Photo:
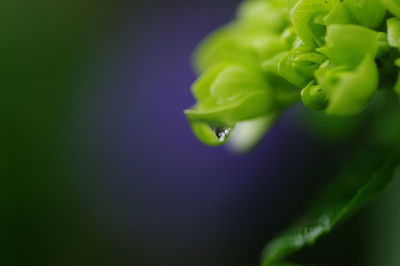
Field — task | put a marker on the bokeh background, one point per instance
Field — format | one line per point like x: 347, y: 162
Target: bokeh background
x: 100, y: 166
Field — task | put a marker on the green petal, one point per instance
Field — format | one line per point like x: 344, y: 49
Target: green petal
x: 248, y: 133
x: 348, y: 44
x: 369, y: 13
x: 222, y: 46
x: 263, y: 15
x: 353, y: 90
x: 228, y: 94
x: 393, y: 6
x: 304, y: 17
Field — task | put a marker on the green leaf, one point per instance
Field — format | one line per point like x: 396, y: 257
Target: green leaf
x: 358, y: 183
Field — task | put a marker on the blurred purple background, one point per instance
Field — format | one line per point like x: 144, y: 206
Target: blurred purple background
x: 163, y: 195
x: 134, y: 186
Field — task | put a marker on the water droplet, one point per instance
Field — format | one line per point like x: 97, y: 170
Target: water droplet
x: 222, y: 133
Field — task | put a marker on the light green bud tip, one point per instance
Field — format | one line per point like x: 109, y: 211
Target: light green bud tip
x: 314, y: 97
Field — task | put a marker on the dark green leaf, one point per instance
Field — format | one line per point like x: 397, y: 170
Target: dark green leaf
x: 358, y: 183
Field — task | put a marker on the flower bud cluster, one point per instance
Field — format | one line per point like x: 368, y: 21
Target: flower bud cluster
x: 326, y: 54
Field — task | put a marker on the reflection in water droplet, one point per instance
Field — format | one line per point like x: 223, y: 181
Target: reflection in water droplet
x: 222, y: 133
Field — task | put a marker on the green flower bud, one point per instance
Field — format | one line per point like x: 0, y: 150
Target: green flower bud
x: 296, y: 66
x: 253, y: 68
x: 314, y: 97
x: 227, y: 94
